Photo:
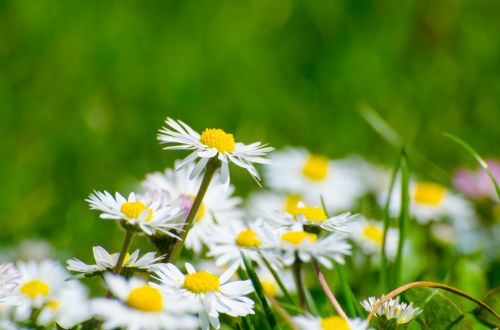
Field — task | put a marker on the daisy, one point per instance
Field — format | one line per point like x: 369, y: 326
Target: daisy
x: 313, y: 216
x: 269, y: 284
x: 139, y: 306
x: 212, y: 143
x: 137, y: 211
x: 228, y: 241
x: 107, y: 262
x: 264, y: 201
x: 218, y: 202
x: 369, y: 235
x: 392, y: 309
x: 296, y: 171
x: 298, y: 243
x: 213, y: 292
x: 9, y: 284
x: 329, y: 323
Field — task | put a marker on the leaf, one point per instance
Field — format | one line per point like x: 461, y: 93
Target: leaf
x: 492, y: 298
x: 439, y: 311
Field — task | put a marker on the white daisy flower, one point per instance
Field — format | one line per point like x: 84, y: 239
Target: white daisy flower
x: 313, y: 216
x: 107, y: 262
x: 402, y: 313
x: 306, y: 246
x: 270, y: 286
x: 296, y: 171
x: 227, y: 241
x: 213, y: 142
x: 263, y: 201
x: 213, y: 292
x: 147, y: 215
x: 139, y: 306
x: 9, y: 284
x: 218, y: 203
x: 369, y: 235
x: 67, y: 308
x: 329, y: 323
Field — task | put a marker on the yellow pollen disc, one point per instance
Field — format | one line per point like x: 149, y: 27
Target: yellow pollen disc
x: 145, y: 298
x: 134, y: 209
x: 315, y: 168
x: 201, y: 282
x: 218, y: 139
x: 291, y: 203
x: 248, y: 238
x: 35, y: 288
x: 53, y: 304
x: 312, y: 213
x: 429, y: 193
x: 374, y: 234
x: 270, y: 288
x: 334, y: 323
x: 297, y: 237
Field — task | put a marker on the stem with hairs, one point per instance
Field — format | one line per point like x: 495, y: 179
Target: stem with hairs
x: 326, y: 289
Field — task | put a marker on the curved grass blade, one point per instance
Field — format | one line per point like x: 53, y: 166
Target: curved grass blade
x: 478, y: 158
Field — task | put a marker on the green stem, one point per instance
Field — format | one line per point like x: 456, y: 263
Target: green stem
x: 129, y: 234
x: 212, y: 166
x: 299, y: 281
x: 278, y: 280
x: 404, y: 215
x: 351, y: 310
x: 326, y: 289
x: 384, y: 280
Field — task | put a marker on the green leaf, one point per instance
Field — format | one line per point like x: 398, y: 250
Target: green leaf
x: 439, y: 311
x: 492, y: 298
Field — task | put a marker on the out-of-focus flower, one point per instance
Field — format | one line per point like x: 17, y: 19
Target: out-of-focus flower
x: 296, y: 171
x: 140, y: 306
x: 402, y: 312
x: 106, y: 262
x: 308, y: 322
x: 9, y: 283
x: 218, y: 202
x: 213, y: 142
x: 369, y: 235
x: 213, y: 292
x: 148, y: 216
x: 269, y: 284
x: 476, y: 183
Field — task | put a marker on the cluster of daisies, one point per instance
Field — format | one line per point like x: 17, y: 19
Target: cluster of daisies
x: 190, y: 212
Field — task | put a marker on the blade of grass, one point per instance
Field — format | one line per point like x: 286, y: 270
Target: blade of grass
x: 270, y: 317
x: 478, y: 158
x: 404, y: 215
x: 311, y: 304
x: 384, y: 278
x: 276, y: 277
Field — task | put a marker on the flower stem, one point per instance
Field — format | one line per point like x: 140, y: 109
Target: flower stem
x: 212, y: 166
x: 129, y: 234
x: 326, y: 289
x: 404, y: 216
x: 299, y: 282
x: 278, y: 280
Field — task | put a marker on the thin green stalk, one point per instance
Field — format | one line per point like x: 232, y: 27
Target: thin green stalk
x: 478, y: 158
x: 299, y: 281
x: 278, y: 280
x: 270, y: 317
x: 384, y: 279
x: 212, y: 166
x: 246, y: 324
x: 327, y: 290
x: 284, y: 315
x: 404, y: 215
x: 311, y: 304
x: 129, y: 234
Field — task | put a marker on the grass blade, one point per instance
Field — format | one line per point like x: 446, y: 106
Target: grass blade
x: 404, y: 215
x: 276, y: 277
x: 476, y: 155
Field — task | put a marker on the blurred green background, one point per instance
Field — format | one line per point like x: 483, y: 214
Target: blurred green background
x: 85, y: 85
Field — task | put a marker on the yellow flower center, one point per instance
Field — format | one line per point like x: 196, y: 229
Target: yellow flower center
x: 270, y: 288
x: 35, y: 288
x: 145, y: 298
x: 53, y: 304
x: 134, y: 209
x: 297, y: 237
x: 248, y: 238
x: 374, y: 234
x: 291, y: 203
x: 429, y: 193
x: 218, y: 139
x: 334, y: 323
x: 311, y: 213
x: 315, y: 168
x: 201, y: 282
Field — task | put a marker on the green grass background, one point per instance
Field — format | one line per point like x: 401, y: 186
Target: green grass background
x: 85, y: 85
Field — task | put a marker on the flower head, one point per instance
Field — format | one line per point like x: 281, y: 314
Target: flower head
x: 308, y: 322
x: 9, y: 283
x: 392, y: 309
